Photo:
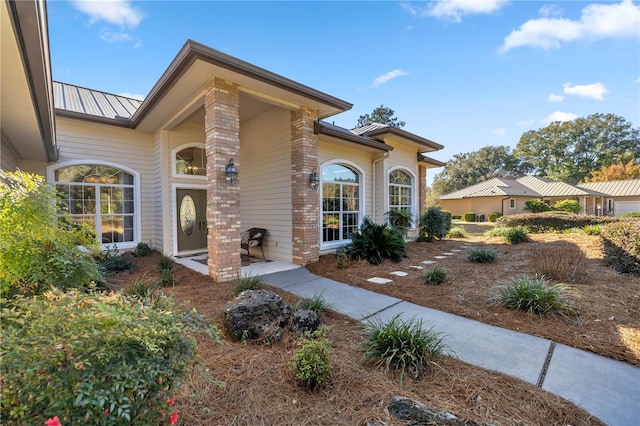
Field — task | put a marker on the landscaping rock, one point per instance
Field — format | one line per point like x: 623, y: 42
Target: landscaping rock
x: 407, y: 409
x: 305, y: 320
x: 256, y: 314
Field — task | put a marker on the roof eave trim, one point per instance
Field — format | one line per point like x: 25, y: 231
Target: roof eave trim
x: 192, y: 51
x: 121, y: 122
x: 319, y: 128
x: 407, y: 135
x: 431, y: 161
x: 34, y: 50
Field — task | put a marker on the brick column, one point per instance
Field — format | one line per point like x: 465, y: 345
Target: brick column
x: 305, y: 201
x: 422, y: 190
x: 222, y: 130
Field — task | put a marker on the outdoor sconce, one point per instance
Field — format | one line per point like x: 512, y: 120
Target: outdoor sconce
x: 314, y: 180
x: 231, y: 173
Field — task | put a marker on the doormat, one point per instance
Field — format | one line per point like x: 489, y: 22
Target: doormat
x: 244, y: 260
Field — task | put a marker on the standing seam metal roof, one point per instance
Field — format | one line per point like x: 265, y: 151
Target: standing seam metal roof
x: 616, y: 188
x: 81, y: 100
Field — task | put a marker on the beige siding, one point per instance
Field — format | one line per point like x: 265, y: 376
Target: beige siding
x: 81, y: 140
x: 405, y: 158
x: 265, y: 180
x: 8, y: 156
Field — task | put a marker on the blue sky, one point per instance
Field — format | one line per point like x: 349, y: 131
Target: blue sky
x: 463, y: 73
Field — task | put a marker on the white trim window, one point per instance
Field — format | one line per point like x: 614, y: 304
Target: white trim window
x: 512, y: 203
x: 190, y: 160
x: 341, y: 203
x: 400, y: 190
x: 103, y: 196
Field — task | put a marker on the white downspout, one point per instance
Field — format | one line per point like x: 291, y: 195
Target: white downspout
x: 374, y: 178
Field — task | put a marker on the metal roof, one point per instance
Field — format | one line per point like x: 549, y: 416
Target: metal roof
x: 495, y: 187
x: 551, y: 188
x: 615, y: 188
x: 76, y: 99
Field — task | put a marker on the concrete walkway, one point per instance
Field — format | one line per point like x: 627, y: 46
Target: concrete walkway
x: 606, y: 388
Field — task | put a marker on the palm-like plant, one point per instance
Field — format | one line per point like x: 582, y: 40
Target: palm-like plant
x: 374, y: 243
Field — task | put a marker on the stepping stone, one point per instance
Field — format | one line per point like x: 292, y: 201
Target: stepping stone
x: 455, y: 250
x: 400, y: 273
x: 448, y: 254
x: 378, y: 280
x: 439, y: 257
x: 419, y: 267
x: 429, y: 262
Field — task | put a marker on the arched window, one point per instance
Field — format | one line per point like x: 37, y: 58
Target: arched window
x: 190, y: 160
x: 102, y: 196
x: 400, y: 190
x: 340, y: 202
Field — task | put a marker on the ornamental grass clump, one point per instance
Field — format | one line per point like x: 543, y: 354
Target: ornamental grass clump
x: 511, y: 234
x: 481, y: 255
x: 316, y: 303
x: 534, y: 295
x: 248, y: 282
x: 406, y: 346
x: 312, y: 360
x: 457, y: 232
x: 434, y: 276
x: 92, y: 358
x: 559, y: 261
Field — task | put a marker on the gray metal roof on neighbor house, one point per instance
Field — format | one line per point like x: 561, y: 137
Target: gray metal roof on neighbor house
x: 552, y: 188
x: 495, y: 187
x: 105, y: 106
x: 615, y: 188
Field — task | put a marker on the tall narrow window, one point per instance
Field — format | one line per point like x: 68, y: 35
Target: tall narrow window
x: 400, y: 189
x: 512, y: 203
x: 101, y: 196
x: 340, y: 202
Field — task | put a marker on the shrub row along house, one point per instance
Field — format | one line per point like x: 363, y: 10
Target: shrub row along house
x: 508, y: 196
x: 217, y: 147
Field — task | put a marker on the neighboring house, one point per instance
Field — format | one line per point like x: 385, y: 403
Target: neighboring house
x: 508, y: 196
x: 218, y: 146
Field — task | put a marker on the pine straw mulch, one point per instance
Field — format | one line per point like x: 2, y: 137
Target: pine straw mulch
x: 260, y: 389
x: 607, y: 304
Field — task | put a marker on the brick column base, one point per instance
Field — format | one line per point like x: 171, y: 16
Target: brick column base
x: 305, y: 201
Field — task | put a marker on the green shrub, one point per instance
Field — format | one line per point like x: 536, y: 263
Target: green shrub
x: 248, y: 282
x: 434, y: 276
x: 469, y: 217
x: 316, y: 303
x: 341, y: 257
x: 553, y: 222
x: 592, y: 229
x: 39, y: 245
x: 457, y: 232
x: 570, y: 206
x: 621, y: 243
x: 480, y: 255
x: 632, y: 215
x: 512, y: 235
x: 142, y: 249
x: 536, y: 206
x: 493, y: 216
x: 403, y: 345
x: 534, y: 295
x: 434, y: 224
x: 92, y: 359
x: 312, y: 360
x: 456, y: 217
x: 400, y: 219
x: 112, y: 261
x: 374, y: 243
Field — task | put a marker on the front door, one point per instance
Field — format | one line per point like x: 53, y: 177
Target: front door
x: 192, y: 219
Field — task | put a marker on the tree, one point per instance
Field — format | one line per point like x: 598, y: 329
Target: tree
x: 569, y: 151
x: 619, y: 171
x: 474, y: 167
x: 382, y: 115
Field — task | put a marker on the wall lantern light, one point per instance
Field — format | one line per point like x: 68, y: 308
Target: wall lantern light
x: 231, y: 173
x: 314, y: 180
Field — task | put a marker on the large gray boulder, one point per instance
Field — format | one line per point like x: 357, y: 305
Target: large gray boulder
x: 305, y: 320
x: 407, y: 409
x: 256, y: 315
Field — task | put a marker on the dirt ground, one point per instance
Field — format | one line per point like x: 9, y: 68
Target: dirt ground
x: 260, y: 389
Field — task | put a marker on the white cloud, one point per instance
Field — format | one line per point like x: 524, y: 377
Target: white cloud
x: 500, y: 131
x: 114, y: 37
x: 132, y: 96
x: 380, y: 80
x: 593, y: 91
x: 116, y: 12
x: 596, y: 22
x: 559, y: 116
x: 555, y: 98
x: 453, y: 10
x: 525, y: 122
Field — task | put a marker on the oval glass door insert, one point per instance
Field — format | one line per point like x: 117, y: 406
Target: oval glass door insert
x: 187, y: 215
